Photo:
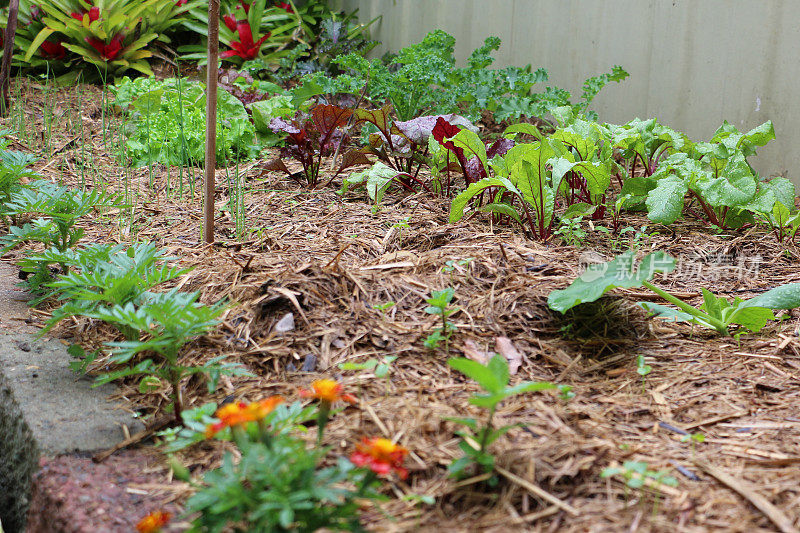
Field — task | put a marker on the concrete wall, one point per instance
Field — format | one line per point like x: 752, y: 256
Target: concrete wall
x: 693, y: 63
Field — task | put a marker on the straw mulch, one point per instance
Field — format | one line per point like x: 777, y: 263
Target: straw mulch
x: 329, y: 259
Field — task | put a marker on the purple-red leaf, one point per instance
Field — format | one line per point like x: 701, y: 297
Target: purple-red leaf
x: 281, y: 125
x: 419, y: 129
x: 499, y: 147
x: 329, y: 117
x: 276, y: 165
x: 353, y: 158
x: 378, y: 117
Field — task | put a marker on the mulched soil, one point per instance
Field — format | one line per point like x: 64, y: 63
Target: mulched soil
x: 329, y: 259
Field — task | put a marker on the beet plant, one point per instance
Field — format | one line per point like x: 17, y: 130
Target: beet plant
x: 312, y: 136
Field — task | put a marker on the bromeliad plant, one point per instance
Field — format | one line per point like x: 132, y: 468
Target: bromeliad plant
x: 255, y: 32
x: 716, y: 313
x: 477, y: 438
x: 111, y: 35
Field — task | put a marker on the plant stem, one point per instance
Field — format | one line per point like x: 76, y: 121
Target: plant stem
x: 713, y: 322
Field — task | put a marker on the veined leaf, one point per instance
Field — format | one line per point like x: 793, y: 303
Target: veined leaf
x: 598, y: 279
x: 665, y: 201
x: 460, y: 201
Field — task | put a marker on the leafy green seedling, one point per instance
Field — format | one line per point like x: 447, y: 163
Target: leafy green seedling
x: 439, y: 304
x: 384, y: 306
x: 716, y: 312
x: 642, y: 369
x: 402, y: 224
x: 476, y: 438
x: 381, y: 368
x: 450, y: 265
x: 693, y: 439
x: 637, y: 474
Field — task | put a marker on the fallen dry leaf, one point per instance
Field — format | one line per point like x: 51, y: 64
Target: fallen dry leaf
x: 507, y: 349
x: 472, y: 351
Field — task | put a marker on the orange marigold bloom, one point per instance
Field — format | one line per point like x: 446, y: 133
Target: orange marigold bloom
x: 239, y: 414
x: 380, y: 455
x: 153, y: 522
x: 327, y: 390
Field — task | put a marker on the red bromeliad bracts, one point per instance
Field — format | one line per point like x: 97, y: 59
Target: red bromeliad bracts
x: 107, y: 51
x: 94, y: 14
x: 53, y: 50
x: 244, y: 47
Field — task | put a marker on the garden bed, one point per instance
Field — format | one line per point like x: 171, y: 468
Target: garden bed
x: 329, y: 260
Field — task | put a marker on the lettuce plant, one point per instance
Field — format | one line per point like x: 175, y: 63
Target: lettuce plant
x: 169, y: 122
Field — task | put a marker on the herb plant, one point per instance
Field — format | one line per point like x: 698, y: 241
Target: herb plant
x: 477, y: 438
x: 164, y: 324
x: 637, y: 474
x: 439, y: 305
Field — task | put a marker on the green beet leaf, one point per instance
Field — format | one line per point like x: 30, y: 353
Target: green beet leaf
x: 600, y: 278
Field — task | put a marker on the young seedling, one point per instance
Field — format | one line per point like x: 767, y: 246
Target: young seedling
x: 381, y: 368
x: 716, y: 312
x: 693, y: 439
x: 642, y: 369
x: 384, y: 307
x: 402, y: 224
x: 476, y: 438
x: 438, y: 304
x: 637, y: 474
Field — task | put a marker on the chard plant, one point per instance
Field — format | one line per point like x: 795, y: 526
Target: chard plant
x: 439, y: 305
x: 477, y: 437
x: 712, y: 180
x: 717, y: 313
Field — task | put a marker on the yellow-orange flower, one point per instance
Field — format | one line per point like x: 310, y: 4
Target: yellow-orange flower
x: 153, y: 522
x: 238, y: 414
x: 327, y: 390
x: 380, y: 455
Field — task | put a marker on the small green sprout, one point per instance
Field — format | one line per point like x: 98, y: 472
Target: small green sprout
x: 438, y: 304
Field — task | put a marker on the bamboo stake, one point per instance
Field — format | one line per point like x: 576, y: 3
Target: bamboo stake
x: 8, y: 51
x: 211, y: 121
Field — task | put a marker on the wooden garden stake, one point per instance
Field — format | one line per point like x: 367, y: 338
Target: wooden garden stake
x: 8, y: 50
x: 211, y: 121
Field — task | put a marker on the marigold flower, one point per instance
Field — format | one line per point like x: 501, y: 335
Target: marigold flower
x: 153, y: 522
x: 327, y: 390
x: 239, y: 414
x: 380, y: 455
